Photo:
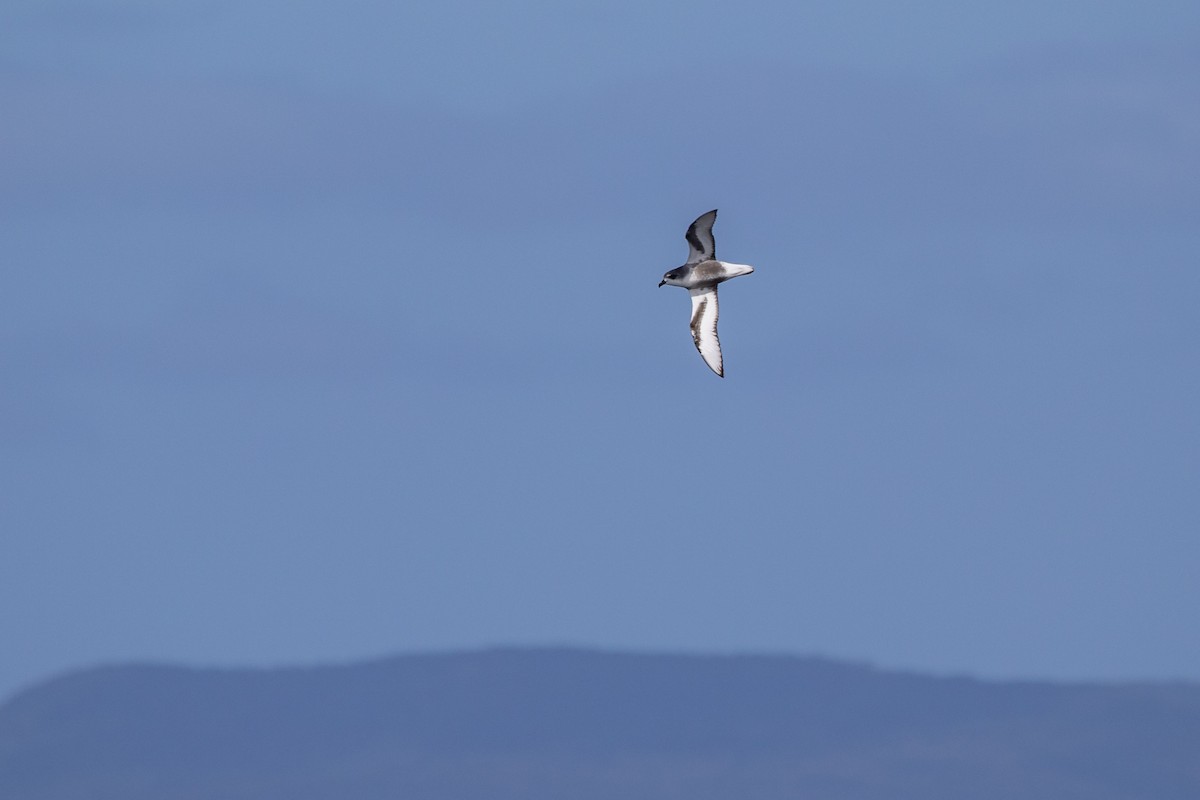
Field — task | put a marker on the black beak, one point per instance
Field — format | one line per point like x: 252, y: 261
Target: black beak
x: 660, y: 283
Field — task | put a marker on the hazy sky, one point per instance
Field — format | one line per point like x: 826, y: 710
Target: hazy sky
x: 331, y: 331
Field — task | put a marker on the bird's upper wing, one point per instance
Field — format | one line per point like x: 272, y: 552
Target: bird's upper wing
x: 701, y: 245
x: 704, y: 327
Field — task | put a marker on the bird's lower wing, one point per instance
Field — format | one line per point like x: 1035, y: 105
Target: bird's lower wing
x: 704, y: 327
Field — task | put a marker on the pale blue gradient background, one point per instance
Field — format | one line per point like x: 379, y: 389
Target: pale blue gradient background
x: 331, y: 330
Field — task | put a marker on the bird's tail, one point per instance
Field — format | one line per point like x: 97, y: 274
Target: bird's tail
x: 736, y: 270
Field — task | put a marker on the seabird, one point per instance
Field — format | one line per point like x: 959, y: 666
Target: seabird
x: 700, y: 276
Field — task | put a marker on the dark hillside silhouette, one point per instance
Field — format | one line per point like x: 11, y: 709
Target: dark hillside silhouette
x: 576, y: 724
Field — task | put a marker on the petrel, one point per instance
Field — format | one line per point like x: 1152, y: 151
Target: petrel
x: 700, y: 276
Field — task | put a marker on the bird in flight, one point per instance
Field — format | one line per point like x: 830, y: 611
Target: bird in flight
x: 700, y: 276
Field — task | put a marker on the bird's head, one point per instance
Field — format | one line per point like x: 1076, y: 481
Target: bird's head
x: 672, y: 278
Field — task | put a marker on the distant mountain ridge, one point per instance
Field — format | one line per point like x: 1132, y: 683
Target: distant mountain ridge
x: 559, y: 723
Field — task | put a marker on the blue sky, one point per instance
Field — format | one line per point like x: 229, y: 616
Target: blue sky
x: 332, y: 331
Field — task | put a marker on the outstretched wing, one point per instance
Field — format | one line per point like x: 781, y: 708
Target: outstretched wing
x: 704, y: 327
x: 701, y: 245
